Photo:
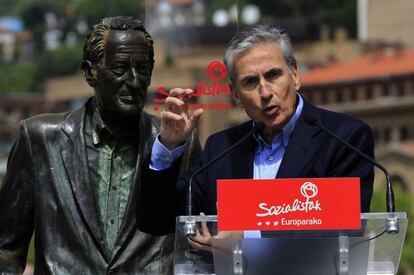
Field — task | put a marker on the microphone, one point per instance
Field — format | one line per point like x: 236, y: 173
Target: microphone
x: 392, y: 224
x: 189, y: 226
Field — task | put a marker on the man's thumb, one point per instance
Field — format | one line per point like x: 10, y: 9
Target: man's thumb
x: 195, y: 117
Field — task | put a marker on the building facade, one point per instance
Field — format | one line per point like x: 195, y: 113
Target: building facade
x: 378, y: 88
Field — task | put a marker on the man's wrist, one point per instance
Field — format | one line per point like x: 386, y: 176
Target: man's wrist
x: 162, y: 157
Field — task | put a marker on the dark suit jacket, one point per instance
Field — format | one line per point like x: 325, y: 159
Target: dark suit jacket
x: 310, y: 153
x: 47, y: 190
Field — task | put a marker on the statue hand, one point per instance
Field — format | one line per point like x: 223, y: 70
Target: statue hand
x: 176, y: 122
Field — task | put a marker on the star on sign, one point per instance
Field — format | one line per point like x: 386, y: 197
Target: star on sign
x: 268, y: 223
x: 259, y: 223
x: 275, y: 223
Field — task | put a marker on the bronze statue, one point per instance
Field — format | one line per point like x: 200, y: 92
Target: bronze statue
x: 81, y: 180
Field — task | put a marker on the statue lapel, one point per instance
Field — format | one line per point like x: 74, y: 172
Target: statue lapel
x: 73, y: 152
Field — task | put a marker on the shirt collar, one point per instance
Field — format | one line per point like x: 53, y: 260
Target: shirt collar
x: 100, y: 130
x: 286, y: 131
x: 98, y: 126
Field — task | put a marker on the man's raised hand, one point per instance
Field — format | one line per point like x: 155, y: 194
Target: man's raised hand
x: 177, y: 123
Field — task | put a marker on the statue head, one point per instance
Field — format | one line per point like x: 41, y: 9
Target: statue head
x: 118, y: 58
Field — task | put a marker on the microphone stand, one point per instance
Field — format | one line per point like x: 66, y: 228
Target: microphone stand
x: 392, y: 222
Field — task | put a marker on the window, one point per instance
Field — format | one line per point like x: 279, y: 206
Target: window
x: 368, y: 91
x: 385, y: 89
x: 387, y: 134
x: 400, y: 88
x: 404, y: 133
x: 339, y: 96
x: 324, y: 96
x: 353, y: 94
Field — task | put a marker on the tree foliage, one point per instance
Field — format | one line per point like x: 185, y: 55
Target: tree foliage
x: 6, y: 6
x: 64, y: 60
x: 17, y: 78
x: 93, y: 10
x: 32, y: 13
x: 334, y: 13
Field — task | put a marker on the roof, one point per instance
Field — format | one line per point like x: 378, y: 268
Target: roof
x: 378, y: 64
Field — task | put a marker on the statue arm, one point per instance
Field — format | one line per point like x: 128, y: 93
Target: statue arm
x: 16, y: 205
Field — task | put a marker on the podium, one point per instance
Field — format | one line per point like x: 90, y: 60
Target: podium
x: 370, y: 250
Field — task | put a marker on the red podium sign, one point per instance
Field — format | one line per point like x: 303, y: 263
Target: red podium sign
x: 289, y: 204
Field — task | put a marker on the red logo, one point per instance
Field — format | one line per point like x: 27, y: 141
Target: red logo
x: 289, y: 204
x: 216, y: 71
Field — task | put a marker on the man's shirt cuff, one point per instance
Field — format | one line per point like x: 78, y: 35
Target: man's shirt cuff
x: 161, y: 157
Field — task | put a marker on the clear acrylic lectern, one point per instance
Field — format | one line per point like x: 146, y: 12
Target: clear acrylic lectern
x: 371, y: 250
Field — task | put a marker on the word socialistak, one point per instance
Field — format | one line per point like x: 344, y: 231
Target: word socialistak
x: 296, y: 206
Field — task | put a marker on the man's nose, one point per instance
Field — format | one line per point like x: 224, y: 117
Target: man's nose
x: 263, y: 89
x: 133, y: 78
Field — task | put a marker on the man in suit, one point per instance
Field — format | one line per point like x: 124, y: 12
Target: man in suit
x: 265, y: 81
x: 80, y: 180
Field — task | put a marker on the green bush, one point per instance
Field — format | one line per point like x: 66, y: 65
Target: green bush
x: 17, y: 78
x: 61, y: 61
x: 30, y: 77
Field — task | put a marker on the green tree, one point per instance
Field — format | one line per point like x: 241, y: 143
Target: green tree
x: 93, y: 10
x: 33, y: 12
x: 6, y: 6
x: 334, y: 13
x: 64, y: 60
x: 17, y: 78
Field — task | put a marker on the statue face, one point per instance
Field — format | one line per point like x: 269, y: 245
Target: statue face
x: 123, y: 75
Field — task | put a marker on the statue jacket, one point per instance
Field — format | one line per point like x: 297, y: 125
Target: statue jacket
x: 47, y: 191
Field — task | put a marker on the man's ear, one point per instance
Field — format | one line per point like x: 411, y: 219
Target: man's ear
x: 296, y: 78
x: 89, y: 72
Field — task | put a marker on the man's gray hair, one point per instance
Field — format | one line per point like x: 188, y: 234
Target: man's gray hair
x: 248, y: 38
